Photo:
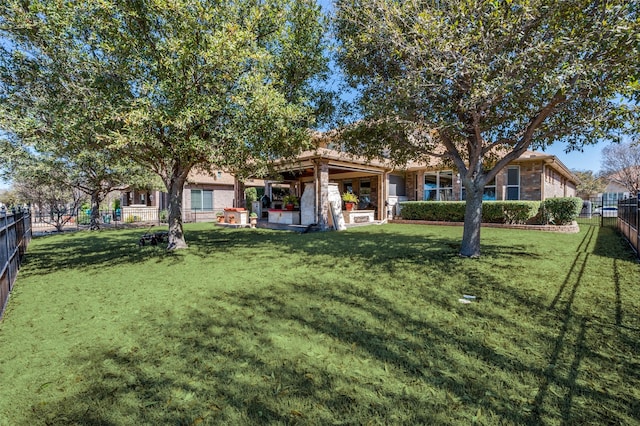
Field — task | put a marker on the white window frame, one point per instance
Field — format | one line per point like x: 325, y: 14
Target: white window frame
x: 438, y: 188
x: 510, y: 186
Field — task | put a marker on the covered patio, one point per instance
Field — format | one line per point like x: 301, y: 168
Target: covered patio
x: 319, y: 177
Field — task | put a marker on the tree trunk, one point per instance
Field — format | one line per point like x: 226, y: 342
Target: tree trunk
x: 95, y: 211
x: 176, y: 234
x: 472, y: 220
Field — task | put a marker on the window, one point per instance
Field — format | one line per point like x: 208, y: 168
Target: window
x: 364, y: 197
x: 438, y: 186
x: 489, y: 193
x: 201, y: 200
x: 513, y: 183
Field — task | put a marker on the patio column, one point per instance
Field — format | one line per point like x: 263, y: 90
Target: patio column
x: 383, y: 198
x: 323, y: 198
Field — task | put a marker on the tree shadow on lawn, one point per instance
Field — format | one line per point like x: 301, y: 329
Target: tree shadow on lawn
x: 95, y: 250
x: 372, y: 244
x: 91, y: 250
x: 309, y: 354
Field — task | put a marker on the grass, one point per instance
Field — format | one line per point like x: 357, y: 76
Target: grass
x: 357, y: 327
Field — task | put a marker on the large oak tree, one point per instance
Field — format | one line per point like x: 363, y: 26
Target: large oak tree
x: 192, y: 83
x: 477, y: 83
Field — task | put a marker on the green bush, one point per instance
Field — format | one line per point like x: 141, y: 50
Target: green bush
x: 132, y: 219
x: 519, y: 212
x: 560, y: 211
x: 164, y: 216
x: 250, y: 195
x: 453, y: 211
x: 449, y: 211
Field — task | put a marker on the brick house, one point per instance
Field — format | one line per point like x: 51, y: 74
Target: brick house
x: 534, y: 176
x: 204, y: 194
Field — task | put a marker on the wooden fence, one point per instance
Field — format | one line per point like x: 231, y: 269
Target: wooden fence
x: 15, y: 235
x: 629, y: 221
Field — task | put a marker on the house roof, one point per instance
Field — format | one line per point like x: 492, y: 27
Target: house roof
x: 550, y: 160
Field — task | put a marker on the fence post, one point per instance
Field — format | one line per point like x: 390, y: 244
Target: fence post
x: 6, y: 241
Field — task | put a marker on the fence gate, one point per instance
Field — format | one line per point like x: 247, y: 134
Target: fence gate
x: 599, y: 211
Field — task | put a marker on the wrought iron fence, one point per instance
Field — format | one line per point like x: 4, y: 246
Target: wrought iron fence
x: 15, y: 235
x: 46, y: 221
x: 598, y: 211
x: 629, y: 221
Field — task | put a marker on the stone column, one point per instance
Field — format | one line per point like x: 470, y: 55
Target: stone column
x: 323, y: 200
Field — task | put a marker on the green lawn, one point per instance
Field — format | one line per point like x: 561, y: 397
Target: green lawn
x: 357, y: 327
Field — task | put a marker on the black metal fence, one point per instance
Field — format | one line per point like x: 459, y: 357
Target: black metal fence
x: 46, y: 221
x: 15, y: 235
x: 599, y: 211
x: 629, y: 221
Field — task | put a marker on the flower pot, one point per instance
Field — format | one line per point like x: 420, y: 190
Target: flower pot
x: 232, y: 219
x: 220, y: 219
x: 289, y: 206
x: 349, y: 206
x: 253, y: 221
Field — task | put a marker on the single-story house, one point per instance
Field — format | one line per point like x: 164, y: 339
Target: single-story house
x: 379, y: 187
x: 319, y: 176
x: 204, y: 194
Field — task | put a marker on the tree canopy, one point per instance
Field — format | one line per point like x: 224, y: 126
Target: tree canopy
x: 186, y: 83
x: 477, y: 83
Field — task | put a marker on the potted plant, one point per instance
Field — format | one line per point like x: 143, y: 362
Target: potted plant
x: 350, y: 200
x: 220, y: 217
x: 290, y: 201
x: 253, y: 219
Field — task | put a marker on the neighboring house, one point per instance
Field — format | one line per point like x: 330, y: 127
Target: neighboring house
x: 203, y: 195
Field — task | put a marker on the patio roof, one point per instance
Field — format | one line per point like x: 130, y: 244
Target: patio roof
x: 338, y: 162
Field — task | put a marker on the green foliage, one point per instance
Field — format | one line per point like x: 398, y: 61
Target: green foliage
x: 290, y: 199
x: 450, y: 211
x: 251, y: 195
x: 356, y: 327
x: 518, y: 212
x: 484, y: 81
x: 164, y: 216
x: 169, y: 85
x: 132, y: 218
x: 589, y: 185
x: 349, y: 197
x: 513, y: 212
x: 561, y: 211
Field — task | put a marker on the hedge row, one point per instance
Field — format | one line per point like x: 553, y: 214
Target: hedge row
x: 559, y: 211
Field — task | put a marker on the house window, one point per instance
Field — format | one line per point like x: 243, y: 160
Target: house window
x: 489, y: 193
x: 201, y: 200
x: 364, y: 197
x: 438, y: 186
x: 513, y: 183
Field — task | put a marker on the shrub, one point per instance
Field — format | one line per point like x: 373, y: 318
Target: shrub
x: 164, y: 216
x: 132, y: 218
x: 453, y: 211
x: 250, y: 195
x: 449, y: 211
x: 519, y: 212
x: 560, y: 211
